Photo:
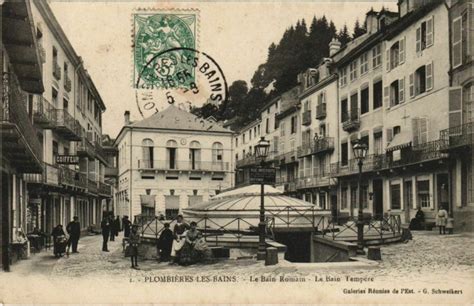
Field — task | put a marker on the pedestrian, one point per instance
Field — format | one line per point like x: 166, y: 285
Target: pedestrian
x: 105, y: 225
x: 74, y: 231
x: 126, y: 227
x: 134, y: 241
x: 117, y: 226
x: 179, y: 234
x: 59, y: 241
x: 450, y: 224
x: 112, y: 227
x: 441, y: 220
x: 165, y: 242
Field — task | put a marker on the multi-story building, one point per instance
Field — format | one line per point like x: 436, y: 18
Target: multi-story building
x: 458, y: 139
x: 319, y: 134
x: 20, y: 149
x: 68, y: 119
x: 171, y: 160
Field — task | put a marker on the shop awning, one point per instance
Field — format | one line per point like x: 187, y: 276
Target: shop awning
x: 400, y: 141
x: 147, y: 200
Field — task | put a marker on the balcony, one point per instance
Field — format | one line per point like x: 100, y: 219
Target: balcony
x: 321, y: 111
x: 42, y: 53
x: 313, y: 182
x: 100, y: 153
x: 72, y: 179
x: 56, y: 70
x: 287, y: 158
x: 183, y: 165
x: 49, y: 176
x: 67, y: 83
x: 104, y: 189
x: 425, y: 152
x: 458, y: 137
x: 43, y: 112
x: 66, y: 125
x: 20, y: 145
x: 317, y: 146
x: 92, y: 186
x: 85, y: 148
x: 111, y: 171
x: 306, y: 118
x: 250, y: 160
x: 371, y: 163
x: 351, y: 120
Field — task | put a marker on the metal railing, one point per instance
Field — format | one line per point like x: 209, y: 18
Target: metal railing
x: 350, y: 120
x: 321, y: 111
x: 372, y: 162
x: 315, y: 146
x: 185, y: 165
x: 92, y: 186
x: 249, y: 160
x: 85, y: 147
x: 288, y: 157
x: 43, y: 111
x: 72, y: 178
x: 14, y: 112
x: 99, y: 151
x: 104, y: 189
x: 306, y: 120
x: 64, y: 119
x: 49, y: 176
x: 458, y: 136
x: 420, y: 153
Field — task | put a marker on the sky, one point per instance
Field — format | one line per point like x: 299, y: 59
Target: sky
x: 236, y: 34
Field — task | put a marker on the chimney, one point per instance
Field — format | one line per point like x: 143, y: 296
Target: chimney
x: 126, y: 117
x: 371, y: 21
x: 334, y: 46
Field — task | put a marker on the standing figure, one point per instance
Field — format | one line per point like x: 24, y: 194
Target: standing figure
x: 112, y: 227
x: 450, y: 224
x: 441, y: 220
x: 418, y: 222
x: 165, y: 242
x: 59, y: 241
x: 74, y: 231
x: 134, y: 241
x: 105, y: 225
x: 126, y: 227
x: 179, y: 234
x: 117, y: 226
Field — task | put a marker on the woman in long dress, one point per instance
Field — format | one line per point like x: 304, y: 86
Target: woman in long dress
x: 441, y: 220
x: 194, y: 249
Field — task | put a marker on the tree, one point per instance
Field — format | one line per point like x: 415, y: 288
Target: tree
x: 344, y: 36
x: 358, y: 30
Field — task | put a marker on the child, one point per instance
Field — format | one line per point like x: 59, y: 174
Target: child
x: 450, y: 225
x: 134, y: 241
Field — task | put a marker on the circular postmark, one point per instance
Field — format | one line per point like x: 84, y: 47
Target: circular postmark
x: 183, y: 76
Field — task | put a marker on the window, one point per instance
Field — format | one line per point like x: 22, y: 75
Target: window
x: 344, y: 110
x: 353, y: 72
x: 171, y: 148
x: 364, y: 63
x: 424, y: 35
x: 344, y: 154
x: 250, y: 134
x: 243, y: 138
x: 378, y: 143
x: 422, y: 80
x: 420, y: 130
x: 343, y: 81
x: 460, y: 46
x: 364, y: 100
x: 217, y: 152
x: 267, y: 125
x: 407, y: 194
x: 195, y: 155
x: 65, y: 104
x: 147, y: 154
x: 282, y: 129
x: 236, y: 141
x: 344, y: 197
x: 294, y: 121
x: 394, y: 53
x: 395, y: 202
x: 396, y: 130
x: 397, y: 92
x: 377, y: 56
x: 423, y: 193
x: 354, y: 197
x: 354, y: 112
x: 378, y: 94
x: 364, y: 189
x: 322, y: 200
x: 365, y: 140
x: 54, y: 94
x: 55, y: 151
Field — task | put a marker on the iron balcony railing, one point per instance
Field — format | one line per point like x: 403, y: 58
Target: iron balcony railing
x: 92, y: 186
x: 67, y: 83
x: 314, y: 181
x: 457, y: 137
x: 351, y: 120
x: 104, y: 189
x: 252, y: 160
x: 183, y: 165
x: 306, y: 117
x: 85, y: 148
x: 100, y: 153
x: 56, y: 70
x: 50, y: 176
x: 371, y: 163
x: 321, y: 111
x: 111, y: 171
x: 43, y: 112
x: 287, y: 158
x: 424, y: 152
x: 315, y: 146
x: 14, y: 115
x: 72, y: 178
x: 67, y: 125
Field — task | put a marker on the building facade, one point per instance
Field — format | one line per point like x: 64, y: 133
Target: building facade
x: 170, y: 161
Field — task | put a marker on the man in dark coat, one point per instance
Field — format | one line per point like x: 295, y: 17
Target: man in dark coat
x: 126, y: 227
x: 165, y: 243
x: 105, y: 225
x: 112, y: 227
x: 117, y: 226
x: 74, y: 231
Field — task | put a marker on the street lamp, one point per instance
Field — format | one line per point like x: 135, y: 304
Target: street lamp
x: 261, y: 151
x: 360, y: 152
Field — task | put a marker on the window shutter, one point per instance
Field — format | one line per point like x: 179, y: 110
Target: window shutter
x: 455, y: 109
x: 386, y: 96
x: 430, y: 32
x: 412, y: 85
x: 457, y: 42
x: 418, y: 39
x: 429, y: 76
x: 414, y: 126
x: 387, y: 59
x: 389, y: 135
x: 401, y: 51
x: 401, y: 90
x: 423, y: 128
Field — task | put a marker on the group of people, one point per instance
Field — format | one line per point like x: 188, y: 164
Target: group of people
x: 61, y: 240
x: 443, y: 221
x: 184, y: 245
x: 111, y: 227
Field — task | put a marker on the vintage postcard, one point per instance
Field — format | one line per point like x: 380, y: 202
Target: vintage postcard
x: 237, y: 152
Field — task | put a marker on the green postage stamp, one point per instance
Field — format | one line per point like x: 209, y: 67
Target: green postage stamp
x: 162, y: 49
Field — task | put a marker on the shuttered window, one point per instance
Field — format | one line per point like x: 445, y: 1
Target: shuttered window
x: 412, y: 85
x: 429, y: 76
x: 455, y: 109
x: 457, y: 42
x: 420, y: 130
x: 418, y: 39
x: 401, y: 90
x: 430, y: 32
x: 401, y: 51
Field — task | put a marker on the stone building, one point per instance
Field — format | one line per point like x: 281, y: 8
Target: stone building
x: 171, y: 160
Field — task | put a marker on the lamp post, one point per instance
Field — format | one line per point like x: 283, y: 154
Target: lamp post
x: 360, y: 152
x: 261, y: 151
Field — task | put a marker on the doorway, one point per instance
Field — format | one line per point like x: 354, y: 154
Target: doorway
x: 442, y: 184
x: 377, y: 187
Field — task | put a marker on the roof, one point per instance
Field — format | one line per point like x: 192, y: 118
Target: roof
x: 174, y: 118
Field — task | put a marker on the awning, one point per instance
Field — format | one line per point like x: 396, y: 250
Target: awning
x: 148, y: 200
x: 400, y: 141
